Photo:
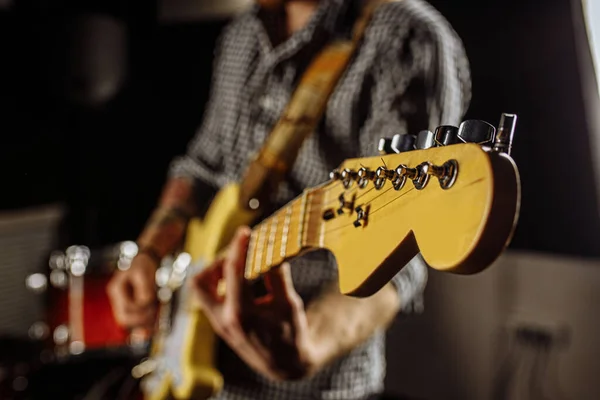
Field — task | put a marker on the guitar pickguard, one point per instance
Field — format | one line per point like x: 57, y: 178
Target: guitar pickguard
x: 169, y: 361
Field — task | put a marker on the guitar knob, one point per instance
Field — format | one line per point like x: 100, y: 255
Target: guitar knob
x: 385, y: 146
x: 476, y: 131
x: 446, y: 135
x: 402, y: 143
x: 425, y: 140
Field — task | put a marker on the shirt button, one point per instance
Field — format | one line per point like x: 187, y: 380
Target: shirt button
x: 267, y: 102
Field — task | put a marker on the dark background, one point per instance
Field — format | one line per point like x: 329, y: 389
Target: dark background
x: 108, y: 164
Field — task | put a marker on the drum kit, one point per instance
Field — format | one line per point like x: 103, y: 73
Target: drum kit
x: 78, y: 349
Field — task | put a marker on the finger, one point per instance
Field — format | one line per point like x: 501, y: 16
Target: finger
x: 205, y: 284
x: 144, y: 288
x: 281, y: 286
x: 137, y: 318
x: 119, y: 295
x: 233, y: 266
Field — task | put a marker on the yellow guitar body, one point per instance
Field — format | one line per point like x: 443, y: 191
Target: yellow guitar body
x: 198, y: 377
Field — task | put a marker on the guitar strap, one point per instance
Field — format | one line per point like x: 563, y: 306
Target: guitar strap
x: 301, y: 116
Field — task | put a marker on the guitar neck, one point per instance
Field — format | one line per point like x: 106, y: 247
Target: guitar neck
x: 296, y: 227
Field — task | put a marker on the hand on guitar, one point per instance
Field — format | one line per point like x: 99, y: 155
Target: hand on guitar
x: 271, y: 334
x: 133, y: 293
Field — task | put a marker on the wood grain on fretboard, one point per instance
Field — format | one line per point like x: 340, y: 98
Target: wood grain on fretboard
x: 285, y: 234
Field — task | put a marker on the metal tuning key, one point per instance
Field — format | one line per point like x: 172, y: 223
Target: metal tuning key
x: 385, y: 146
x: 348, y: 176
x: 506, y: 131
x: 403, y: 143
x: 335, y: 175
x: 476, y: 131
x: 446, y: 135
x: 364, y: 176
x: 446, y: 173
x: 381, y: 175
x: 425, y: 140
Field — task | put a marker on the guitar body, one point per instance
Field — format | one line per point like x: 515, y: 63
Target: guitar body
x: 185, y: 356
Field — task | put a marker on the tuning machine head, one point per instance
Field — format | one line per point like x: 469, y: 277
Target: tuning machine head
x: 506, y: 131
x: 399, y: 143
x: 446, y: 135
x: 476, y: 131
x: 402, y: 143
x: 385, y: 146
x: 425, y: 140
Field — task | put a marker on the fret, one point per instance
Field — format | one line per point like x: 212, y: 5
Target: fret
x: 260, y: 248
x: 271, y: 242
x: 302, y: 219
x: 250, y: 256
x: 286, y: 229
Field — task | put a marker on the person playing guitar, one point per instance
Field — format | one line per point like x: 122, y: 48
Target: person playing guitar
x: 306, y: 340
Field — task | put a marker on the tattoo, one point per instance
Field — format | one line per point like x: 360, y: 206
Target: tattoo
x: 166, y: 227
x: 164, y: 231
x: 178, y: 194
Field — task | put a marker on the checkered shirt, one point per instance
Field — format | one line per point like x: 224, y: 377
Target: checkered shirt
x: 410, y: 73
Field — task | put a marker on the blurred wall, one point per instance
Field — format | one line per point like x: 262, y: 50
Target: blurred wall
x: 456, y: 349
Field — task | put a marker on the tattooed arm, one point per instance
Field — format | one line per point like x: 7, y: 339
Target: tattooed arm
x: 133, y: 292
x: 166, y: 227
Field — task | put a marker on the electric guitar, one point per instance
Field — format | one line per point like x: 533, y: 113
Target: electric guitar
x: 453, y: 195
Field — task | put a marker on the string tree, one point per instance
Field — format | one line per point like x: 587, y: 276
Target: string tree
x: 345, y: 204
x: 328, y: 214
x: 362, y: 213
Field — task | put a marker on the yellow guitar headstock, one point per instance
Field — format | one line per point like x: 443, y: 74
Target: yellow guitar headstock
x: 454, y: 197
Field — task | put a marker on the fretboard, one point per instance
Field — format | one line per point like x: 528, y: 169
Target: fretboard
x: 292, y: 229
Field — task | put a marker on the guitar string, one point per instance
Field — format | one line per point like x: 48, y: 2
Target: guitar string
x: 312, y: 213
x: 265, y: 267
x: 297, y: 217
x: 318, y: 204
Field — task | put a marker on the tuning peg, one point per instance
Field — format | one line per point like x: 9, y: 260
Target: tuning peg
x: 476, y: 131
x: 425, y: 140
x: 446, y: 135
x: 385, y: 146
x: 402, y: 143
x: 347, y: 176
x: 506, y: 131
